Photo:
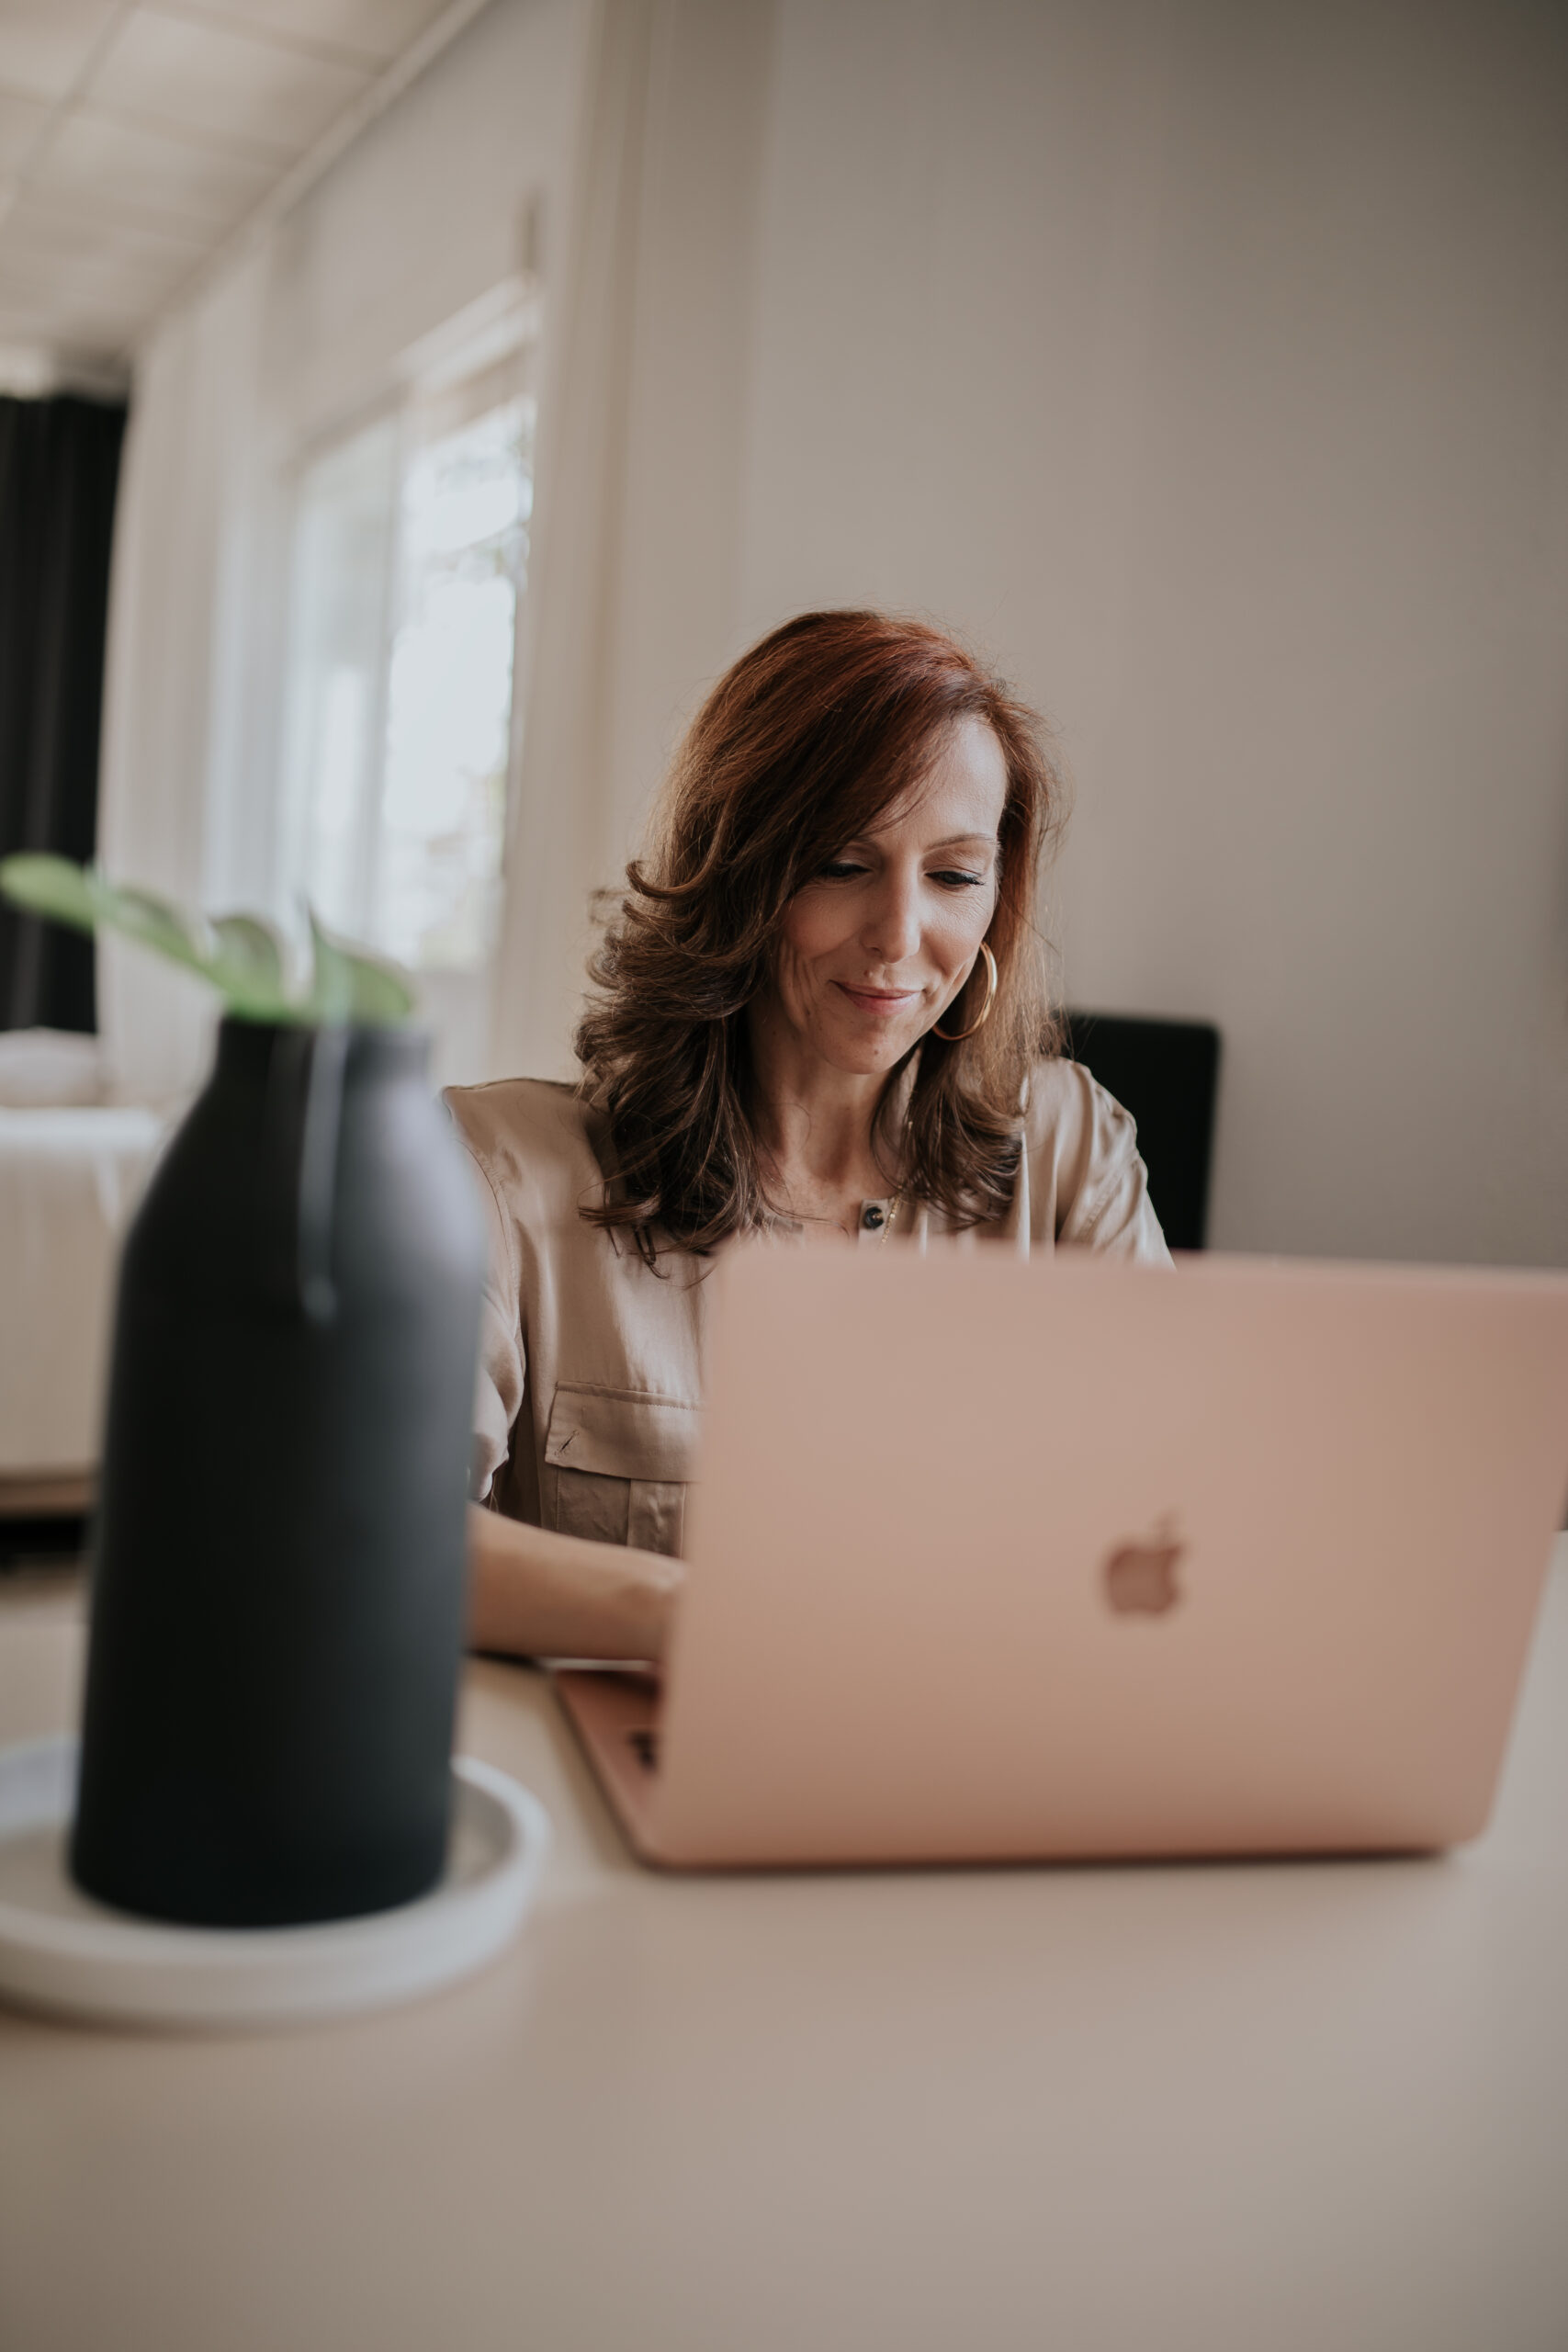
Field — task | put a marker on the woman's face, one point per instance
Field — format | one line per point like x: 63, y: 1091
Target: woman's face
x: 877, y: 946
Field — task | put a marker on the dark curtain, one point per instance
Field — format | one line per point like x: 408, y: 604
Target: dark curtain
x: 59, y: 469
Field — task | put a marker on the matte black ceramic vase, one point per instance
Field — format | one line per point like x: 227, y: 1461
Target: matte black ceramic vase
x: 278, y: 1584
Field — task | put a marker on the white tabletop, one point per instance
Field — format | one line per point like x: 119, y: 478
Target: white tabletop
x: 1314, y: 2105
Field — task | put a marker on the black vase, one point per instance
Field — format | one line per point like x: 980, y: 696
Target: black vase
x: 277, y: 1589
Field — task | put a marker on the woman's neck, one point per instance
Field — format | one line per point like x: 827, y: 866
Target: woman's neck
x: 814, y: 1126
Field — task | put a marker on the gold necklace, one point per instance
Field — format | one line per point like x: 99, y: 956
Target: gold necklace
x: 881, y: 1222
x: 884, y: 1219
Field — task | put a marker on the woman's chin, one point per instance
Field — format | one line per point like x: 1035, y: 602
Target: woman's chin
x: 867, y: 1056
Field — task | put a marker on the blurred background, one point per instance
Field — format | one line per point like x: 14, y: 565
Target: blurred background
x: 495, y: 373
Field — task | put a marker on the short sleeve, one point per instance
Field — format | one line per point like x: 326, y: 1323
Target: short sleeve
x: 1086, y: 1168
x: 498, y: 1386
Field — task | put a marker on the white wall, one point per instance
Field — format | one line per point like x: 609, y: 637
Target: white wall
x: 635, y: 587
x: 1207, y: 365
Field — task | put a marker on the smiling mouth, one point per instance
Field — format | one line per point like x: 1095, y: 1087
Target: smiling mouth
x: 883, y: 1000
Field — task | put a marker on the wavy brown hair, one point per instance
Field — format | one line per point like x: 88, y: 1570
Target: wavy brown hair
x: 804, y: 745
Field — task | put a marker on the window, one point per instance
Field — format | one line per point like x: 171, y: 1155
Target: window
x: 410, y: 563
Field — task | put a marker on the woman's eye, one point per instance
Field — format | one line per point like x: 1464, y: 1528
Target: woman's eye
x: 954, y: 878
x: 841, y: 869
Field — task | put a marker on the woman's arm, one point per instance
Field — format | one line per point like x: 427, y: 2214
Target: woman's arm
x: 542, y: 1595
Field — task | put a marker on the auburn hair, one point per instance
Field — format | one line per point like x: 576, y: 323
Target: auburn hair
x: 805, y: 744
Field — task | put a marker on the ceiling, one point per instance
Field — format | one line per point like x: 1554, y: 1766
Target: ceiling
x: 135, y: 140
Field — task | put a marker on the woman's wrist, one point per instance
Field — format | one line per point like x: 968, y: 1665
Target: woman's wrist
x: 533, y: 1593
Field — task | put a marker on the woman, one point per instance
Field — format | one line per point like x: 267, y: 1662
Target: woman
x: 820, y: 1012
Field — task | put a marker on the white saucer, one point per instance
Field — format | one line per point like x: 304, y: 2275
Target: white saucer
x: 63, y: 1953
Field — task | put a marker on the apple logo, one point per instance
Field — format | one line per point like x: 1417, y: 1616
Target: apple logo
x: 1139, y: 1578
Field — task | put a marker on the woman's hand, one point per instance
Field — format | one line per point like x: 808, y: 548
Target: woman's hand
x: 541, y: 1595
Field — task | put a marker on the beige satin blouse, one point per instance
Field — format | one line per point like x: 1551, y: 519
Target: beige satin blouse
x: 591, y: 1364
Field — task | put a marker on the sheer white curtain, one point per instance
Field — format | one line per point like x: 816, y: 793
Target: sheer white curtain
x: 188, y: 475
x: 300, y: 338
x: 634, y: 128
x: 556, y: 847
x: 636, y: 591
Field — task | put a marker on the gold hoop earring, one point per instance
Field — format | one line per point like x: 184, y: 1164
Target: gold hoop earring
x: 956, y: 1036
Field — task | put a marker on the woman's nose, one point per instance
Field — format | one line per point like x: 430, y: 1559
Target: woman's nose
x: 892, y: 930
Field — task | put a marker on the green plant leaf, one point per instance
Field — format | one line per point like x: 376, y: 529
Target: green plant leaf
x: 50, y: 885
x: 157, y: 923
x: 351, y: 987
x: 248, y: 968
x: 250, y: 944
x: 239, y: 955
x: 79, y: 894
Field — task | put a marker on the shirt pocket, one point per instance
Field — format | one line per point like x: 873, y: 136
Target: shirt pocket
x: 617, y: 1464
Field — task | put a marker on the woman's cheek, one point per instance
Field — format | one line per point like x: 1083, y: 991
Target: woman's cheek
x: 961, y: 937
x: 792, y: 983
x: 981, y: 907
x: 813, y: 927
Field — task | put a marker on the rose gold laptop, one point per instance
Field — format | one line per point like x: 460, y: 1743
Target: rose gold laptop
x: 996, y: 1561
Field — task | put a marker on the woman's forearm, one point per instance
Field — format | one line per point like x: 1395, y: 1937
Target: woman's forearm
x: 540, y: 1595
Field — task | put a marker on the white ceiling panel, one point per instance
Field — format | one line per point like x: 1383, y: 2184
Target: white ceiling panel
x: 107, y: 158
x: 33, y: 343
x: 112, y: 279
x: 380, y: 30
x: 55, y: 242
x: 46, y: 45
x: 92, y: 329
x: 21, y: 121
x: 135, y: 135
x: 167, y: 69
x: 66, y: 224
x: 61, y: 237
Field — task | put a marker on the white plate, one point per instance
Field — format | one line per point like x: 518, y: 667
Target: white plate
x: 63, y: 1953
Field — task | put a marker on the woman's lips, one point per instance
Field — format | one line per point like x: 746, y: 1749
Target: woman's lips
x: 879, y: 1001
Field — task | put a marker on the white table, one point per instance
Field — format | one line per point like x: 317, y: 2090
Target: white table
x: 1310, y: 2109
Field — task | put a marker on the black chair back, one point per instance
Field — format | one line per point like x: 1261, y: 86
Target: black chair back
x: 1166, y: 1074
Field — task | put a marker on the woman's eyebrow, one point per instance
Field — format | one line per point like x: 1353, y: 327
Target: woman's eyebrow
x: 949, y: 841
